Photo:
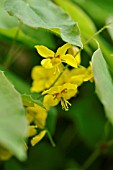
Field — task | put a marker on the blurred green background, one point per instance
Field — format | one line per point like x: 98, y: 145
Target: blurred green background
x: 84, y: 128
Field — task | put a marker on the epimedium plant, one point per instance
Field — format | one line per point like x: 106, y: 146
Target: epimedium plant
x: 55, y: 81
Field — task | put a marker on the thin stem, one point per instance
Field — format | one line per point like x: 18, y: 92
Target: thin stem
x: 98, y: 32
x: 91, y: 159
x: 50, y: 138
x: 56, y: 79
x: 11, y: 52
x: 95, y: 155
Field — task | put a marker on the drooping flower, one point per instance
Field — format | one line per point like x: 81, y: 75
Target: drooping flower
x: 53, y: 60
x: 58, y: 94
x: 37, y: 119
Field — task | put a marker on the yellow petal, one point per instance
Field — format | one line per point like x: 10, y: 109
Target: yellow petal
x: 38, y: 72
x: 44, y: 51
x: 32, y: 131
x: 69, y: 86
x: 71, y: 90
x: 49, y: 101
x: 29, y: 116
x: 89, y: 73
x: 79, y: 71
x: 46, y: 63
x: 73, y: 52
x: 62, y: 50
x: 70, y: 60
x: 5, y: 154
x: 38, y: 137
x: 78, y: 59
x: 78, y: 79
x: 38, y: 86
x: 52, y: 90
x: 40, y: 118
x: 70, y: 93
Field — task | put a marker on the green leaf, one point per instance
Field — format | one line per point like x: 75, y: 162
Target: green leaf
x: 13, y: 124
x: 28, y: 36
x: 103, y: 83
x: 29, y: 101
x: 87, y: 28
x: 45, y: 14
x: 6, y: 21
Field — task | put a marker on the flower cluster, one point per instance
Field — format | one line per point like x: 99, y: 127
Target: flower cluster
x: 57, y: 82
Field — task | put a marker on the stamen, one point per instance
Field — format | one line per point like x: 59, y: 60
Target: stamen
x: 58, y: 56
x: 64, y: 90
x: 55, y: 95
x: 65, y: 104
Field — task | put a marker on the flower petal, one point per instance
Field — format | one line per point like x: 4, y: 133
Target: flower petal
x: 38, y: 86
x: 38, y: 137
x: 31, y: 131
x: 40, y: 118
x: 69, y: 86
x: 78, y: 59
x: 62, y: 50
x: 44, y: 51
x: 89, y: 74
x: 69, y: 59
x: 38, y: 72
x: 50, y: 101
x: 5, y: 154
x: 73, y: 52
x: 46, y: 63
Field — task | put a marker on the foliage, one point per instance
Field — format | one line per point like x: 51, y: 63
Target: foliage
x: 56, y: 84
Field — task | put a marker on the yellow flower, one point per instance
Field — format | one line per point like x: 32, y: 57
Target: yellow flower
x: 81, y: 74
x: 73, y: 51
x: 78, y: 75
x: 38, y: 115
x: 64, y: 77
x: 58, y: 94
x: 89, y: 73
x: 52, y: 60
x: 42, y: 78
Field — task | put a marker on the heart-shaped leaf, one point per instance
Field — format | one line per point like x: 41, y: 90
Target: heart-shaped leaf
x: 13, y: 124
x: 103, y: 82
x: 45, y: 14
